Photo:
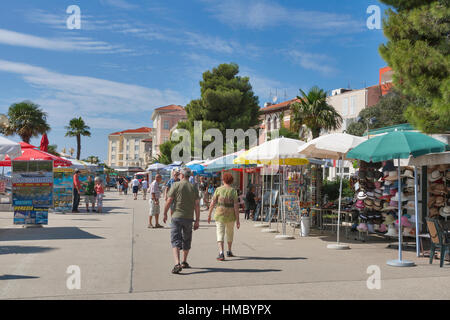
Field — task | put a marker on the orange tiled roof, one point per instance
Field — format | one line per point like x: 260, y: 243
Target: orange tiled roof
x: 279, y: 105
x: 171, y: 107
x: 139, y: 130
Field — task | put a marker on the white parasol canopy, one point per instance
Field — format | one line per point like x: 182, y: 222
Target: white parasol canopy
x: 277, y: 149
x: 156, y: 166
x: 331, y: 146
x: 10, y: 148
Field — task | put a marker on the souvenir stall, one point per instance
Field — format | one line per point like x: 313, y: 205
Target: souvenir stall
x: 12, y: 150
x: 394, y: 145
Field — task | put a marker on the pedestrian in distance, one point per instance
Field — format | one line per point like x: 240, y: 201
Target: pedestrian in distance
x: 144, y: 188
x: 135, y: 185
x: 76, y: 191
x: 99, y: 190
x: 89, y: 194
x: 226, y: 214
x: 187, y: 202
x: 125, y: 186
x: 169, y: 184
x: 250, y: 198
x: 120, y: 185
x: 155, y: 194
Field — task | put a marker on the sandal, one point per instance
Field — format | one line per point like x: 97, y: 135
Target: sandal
x: 177, y: 269
x: 185, y: 265
x: 230, y: 254
x: 159, y: 226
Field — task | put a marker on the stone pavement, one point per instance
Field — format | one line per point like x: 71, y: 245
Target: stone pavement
x: 120, y: 258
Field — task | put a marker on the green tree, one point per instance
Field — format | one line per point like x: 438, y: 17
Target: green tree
x: 92, y: 159
x: 314, y: 112
x: 77, y: 128
x: 418, y: 50
x: 52, y: 149
x: 387, y: 112
x: 226, y: 101
x: 27, y: 120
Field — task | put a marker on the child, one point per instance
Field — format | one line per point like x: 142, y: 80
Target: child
x: 100, y: 192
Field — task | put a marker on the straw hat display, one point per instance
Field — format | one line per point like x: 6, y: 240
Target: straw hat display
x: 396, y: 197
x: 433, y: 212
x: 392, y: 176
x: 435, y: 176
x: 408, y: 174
x: 389, y: 220
x: 361, y: 196
x: 392, y: 231
x: 445, y: 212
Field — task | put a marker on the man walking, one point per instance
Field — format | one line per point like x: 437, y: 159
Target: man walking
x: 135, y: 185
x: 155, y: 194
x: 76, y: 191
x: 186, y: 200
x: 144, y: 187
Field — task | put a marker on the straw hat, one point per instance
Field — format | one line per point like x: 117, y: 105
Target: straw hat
x: 410, y: 205
x: 431, y: 201
x: 396, y: 197
x: 408, y: 174
x: 389, y: 220
x: 410, y: 183
x: 435, y: 176
x: 440, y: 201
x: 392, y: 231
x: 445, y: 211
x: 392, y: 176
x: 442, y: 167
x: 361, y: 195
x: 438, y: 189
x: 433, y: 212
x: 362, y: 227
x: 370, y: 195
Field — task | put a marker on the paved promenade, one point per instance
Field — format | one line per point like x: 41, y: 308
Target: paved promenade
x: 120, y: 258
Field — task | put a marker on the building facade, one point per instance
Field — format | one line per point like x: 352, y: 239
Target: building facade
x: 130, y: 148
x: 164, y: 120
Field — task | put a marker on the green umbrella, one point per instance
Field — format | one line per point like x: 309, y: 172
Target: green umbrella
x: 397, y: 145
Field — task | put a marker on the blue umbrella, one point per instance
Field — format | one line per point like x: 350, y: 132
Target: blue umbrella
x: 197, y: 168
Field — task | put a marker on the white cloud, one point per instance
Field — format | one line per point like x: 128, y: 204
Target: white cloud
x: 110, y: 103
x: 121, y: 4
x: 67, y: 44
x: 311, y: 61
x: 261, y: 14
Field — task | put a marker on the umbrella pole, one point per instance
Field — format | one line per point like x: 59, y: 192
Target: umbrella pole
x: 271, y: 189
x: 400, y: 262
x: 416, y: 207
x: 337, y: 245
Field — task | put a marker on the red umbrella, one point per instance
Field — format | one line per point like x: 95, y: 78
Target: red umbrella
x: 44, y: 143
x: 25, y: 145
x: 33, y: 154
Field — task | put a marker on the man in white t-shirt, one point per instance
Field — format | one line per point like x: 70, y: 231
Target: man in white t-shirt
x: 135, y: 186
x: 144, y: 187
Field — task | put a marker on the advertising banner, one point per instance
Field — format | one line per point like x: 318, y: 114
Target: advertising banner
x: 32, y: 191
x: 62, y: 189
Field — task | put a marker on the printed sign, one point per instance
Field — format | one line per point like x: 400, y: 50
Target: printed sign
x: 32, y: 191
x: 62, y: 189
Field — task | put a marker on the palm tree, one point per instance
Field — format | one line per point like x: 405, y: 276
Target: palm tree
x: 52, y: 149
x: 314, y: 112
x: 77, y: 128
x: 27, y: 120
x: 92, y: 159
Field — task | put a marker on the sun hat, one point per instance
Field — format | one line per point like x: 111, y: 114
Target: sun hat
x: 445, y: 211
x: 410, y: 183
x: 389, y: 220
x: 412, y: 219
x: 408, y: 174
x: 362, y: 227
x: 392, y: 176
x: 396, y: 197
x: 442, y: 167
x: 360, y: 204
x: 433, y: 212
x: 405, y: 222
x: 371, y: 228
x: 438, y: 188
x: 382, y: 228
x: 392, y: 231
x: 435, y: 176
x: 440, y: 201
x: 387, y: 183
x: 370, y: 194
x: 410, y: 205
x: 361, y: 195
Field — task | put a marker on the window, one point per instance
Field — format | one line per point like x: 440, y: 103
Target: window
x: 113, y: 158
x: 345, y: 107
x: 268, y: 125
x: 352, y: 105
x: 113, y: 149
x: 166, y: 124
x: 275, y: 123
x: 136, y: 157
x: 137, y: 148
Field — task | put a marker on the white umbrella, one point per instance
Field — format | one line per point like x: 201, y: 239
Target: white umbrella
x: 281, y: 151
x: 156, y: 166
x: 332, y: 146
x: 10, y: 148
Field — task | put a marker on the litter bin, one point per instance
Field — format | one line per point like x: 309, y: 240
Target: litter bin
x: 305, y: 226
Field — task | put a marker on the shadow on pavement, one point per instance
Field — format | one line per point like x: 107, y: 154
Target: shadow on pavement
x: 15, y: 277
x: 266, y: 258
x: 226, y: 270
x: 45, y: 233
x: 23, y: 249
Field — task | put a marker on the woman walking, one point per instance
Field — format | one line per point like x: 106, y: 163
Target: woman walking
x: 226, y: 214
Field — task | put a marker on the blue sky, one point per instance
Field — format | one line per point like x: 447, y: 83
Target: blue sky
x: 130, y: 57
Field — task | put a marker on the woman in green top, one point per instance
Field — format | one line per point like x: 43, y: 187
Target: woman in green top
x: 226, y: 214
